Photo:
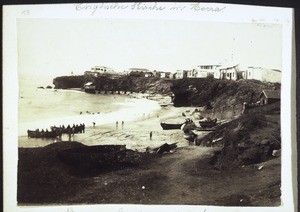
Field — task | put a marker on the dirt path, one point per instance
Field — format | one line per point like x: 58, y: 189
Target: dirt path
x: 175, y: 167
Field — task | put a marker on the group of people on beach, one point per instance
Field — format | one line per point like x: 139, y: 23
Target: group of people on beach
x: 56, y: 131
x: 117, y: 124
x: 88, y: 112
x: 74, y: 129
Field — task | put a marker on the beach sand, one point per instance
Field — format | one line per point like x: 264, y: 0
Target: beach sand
x: 136, y: 134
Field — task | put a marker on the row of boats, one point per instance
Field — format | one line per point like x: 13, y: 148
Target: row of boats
x: 56, y: 131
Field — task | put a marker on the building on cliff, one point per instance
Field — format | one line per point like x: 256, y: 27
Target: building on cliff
x: 162, y: 74
x: 206, y: 70
x: 180, y: 74
x: 229, y: 72
x: 269, y: 96
x: 196, y: 74
x: 202, y: 71
x: 262, y: 74
x: 97, y: 71
x: 140, y: 72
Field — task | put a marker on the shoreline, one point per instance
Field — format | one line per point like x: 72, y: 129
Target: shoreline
x: 134, y: 134
x: 128, y: 110
x: 136, y: 129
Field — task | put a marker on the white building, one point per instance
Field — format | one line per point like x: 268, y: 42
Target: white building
x: 197, y: 73
x: 103, y: 69
x: 262, y: 74
x: 180, y: 74
x: 206, y: 70
x: 229, y: 72
x: 99, y: 70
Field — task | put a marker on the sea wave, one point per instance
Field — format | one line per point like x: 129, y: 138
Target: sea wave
x: 64, y: 108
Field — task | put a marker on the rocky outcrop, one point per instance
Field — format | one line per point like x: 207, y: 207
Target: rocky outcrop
x: 208, y: 92
x: 65, y: 82
x: 116, y: 83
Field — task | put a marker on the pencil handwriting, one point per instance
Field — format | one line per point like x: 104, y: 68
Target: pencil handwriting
x: 139, y: 6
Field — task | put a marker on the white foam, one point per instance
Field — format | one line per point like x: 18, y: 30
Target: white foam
x: 134, y: 109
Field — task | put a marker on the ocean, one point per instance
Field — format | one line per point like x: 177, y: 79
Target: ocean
x: 42, y: 108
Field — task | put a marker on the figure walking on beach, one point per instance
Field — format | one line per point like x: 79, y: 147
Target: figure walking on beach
x: 94, y: 124
x: 122, y: 124
x: 151, y: 135
x: 117, y: 124
x: 69, y: 133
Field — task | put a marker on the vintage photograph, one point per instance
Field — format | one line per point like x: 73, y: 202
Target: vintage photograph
x: 128, y: 107
x: 120, y: 111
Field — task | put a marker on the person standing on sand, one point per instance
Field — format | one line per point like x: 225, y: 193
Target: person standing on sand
x: 94, y: 124
x: 69, y: 133
x: 122, y: 124
x: 151, y: 135
x: 117, y: 124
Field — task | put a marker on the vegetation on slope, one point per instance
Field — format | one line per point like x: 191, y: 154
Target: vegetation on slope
x: 249, y: 139
x: 215, y: 92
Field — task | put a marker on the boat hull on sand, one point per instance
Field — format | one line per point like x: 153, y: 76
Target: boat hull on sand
x: 166, y: 126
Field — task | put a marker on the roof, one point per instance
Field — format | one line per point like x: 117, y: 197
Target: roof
x: 209, y: 64
x: 88, y: 83
x: 166, y: 72
x: 276, y: 70
x: 271, y: 94
x: 101, y: 67
x: 139, y: 69
x: 228, y: 65
x: 181, y: 71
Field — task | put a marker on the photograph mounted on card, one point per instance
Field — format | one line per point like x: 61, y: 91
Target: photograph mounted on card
x: 177, y: 104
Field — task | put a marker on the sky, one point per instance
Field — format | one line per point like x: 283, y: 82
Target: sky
x: 57, y: 47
